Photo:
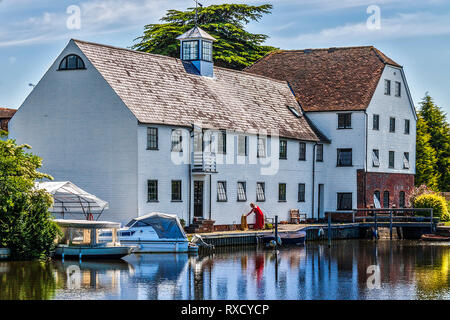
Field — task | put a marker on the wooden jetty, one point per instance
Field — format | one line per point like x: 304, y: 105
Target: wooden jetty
x: 363, y: 223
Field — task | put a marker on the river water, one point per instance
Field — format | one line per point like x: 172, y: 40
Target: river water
x: 350, y: 269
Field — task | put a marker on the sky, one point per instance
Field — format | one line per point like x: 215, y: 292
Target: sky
x: 414, y: 33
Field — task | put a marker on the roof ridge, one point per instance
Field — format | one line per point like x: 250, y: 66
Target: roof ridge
x: 321, y: 49
x: 176, y: 59
x: 384, y: 58
x: 126, y: 49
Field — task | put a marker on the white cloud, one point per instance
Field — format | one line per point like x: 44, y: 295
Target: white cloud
x: 114, y: 16
x: 397, y: 27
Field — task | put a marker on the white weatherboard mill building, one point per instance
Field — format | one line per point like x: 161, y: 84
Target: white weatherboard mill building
x: 152, y: 133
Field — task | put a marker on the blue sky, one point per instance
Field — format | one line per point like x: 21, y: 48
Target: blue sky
x: 415, y: 33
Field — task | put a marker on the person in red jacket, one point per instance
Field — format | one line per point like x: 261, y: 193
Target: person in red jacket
x: 259, y: 216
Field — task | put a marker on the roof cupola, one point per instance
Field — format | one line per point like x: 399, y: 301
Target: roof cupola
x: 197, y: 47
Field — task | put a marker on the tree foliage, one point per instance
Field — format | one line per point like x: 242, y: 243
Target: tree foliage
x: 235, y: 47
x: 26, y: 227
x: 426, y: 161
x: 437, y: 130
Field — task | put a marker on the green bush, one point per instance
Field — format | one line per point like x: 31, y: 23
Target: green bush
x: 435, y: 201
x: 26, y: 225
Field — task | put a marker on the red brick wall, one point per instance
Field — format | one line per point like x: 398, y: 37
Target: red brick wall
x: 392, y: 182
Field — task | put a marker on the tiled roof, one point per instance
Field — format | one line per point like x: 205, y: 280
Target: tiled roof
x: 164, y: 90
x: 7, y: 113
x: 196, y: 32
x: 334, y: 79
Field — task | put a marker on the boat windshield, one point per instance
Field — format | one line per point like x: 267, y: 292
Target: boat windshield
x: 130, y: 224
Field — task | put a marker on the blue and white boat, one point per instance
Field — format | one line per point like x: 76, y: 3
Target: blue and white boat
x: 155, y: 233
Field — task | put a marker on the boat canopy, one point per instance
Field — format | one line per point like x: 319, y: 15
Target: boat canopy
x: 69, y: 198
x: 166, y: 226
x: 84, y: 224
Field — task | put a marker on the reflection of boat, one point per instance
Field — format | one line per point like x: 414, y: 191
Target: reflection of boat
x: 88, y: 247
x: 155, y: 233
x: 287, y: 237
x: 158, y: 266
x: 434, y: 237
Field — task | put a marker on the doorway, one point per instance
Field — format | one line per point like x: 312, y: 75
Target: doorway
x: 198, y: 199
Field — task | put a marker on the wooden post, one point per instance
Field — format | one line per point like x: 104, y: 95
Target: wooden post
x: 431, y: 222
x: 390, y: 224
x: 329, y: 229
x: 376, y: 226
x: 276, y: 231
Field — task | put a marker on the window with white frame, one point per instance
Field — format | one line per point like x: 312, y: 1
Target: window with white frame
x: 176, y: 190
x: 391, y: 159
x: 177, y: 139
x: 302, y: 151
x: 344, y: 121
x: 407, y: 125
x: 152, y: 190
x: 242, y: 145
x: 222, y: 142
x: 282, y: 192
x: 398, y: 89
x: 391, y: 124
x: 344, y: 157
x: 152, y: 138
x: 207, y: 51
x: 406, y: 160
x: 301, y: 192
x: 319, y: 153
x: 262, y: 142
x: 375, y: 158
x: 190, y: 50
x: 241, y: 191
x: 387, y: 87
x: 260, y: 191
x: 376, y: 122
x: 344, y: 201
x: 221, y: 191
x: 283, y: 149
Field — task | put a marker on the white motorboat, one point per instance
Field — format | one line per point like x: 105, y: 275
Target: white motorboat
x: 154, y: 233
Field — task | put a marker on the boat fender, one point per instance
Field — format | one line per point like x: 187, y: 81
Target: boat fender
x: 272, y: 244
x: 321, y: 232
x: 279, y: 240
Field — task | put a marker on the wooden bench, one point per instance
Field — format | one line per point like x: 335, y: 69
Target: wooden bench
x: 295, y: 216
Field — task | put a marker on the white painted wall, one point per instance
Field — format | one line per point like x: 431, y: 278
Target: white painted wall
x: 84, y: 133
x: 400, y: 108
x: 339, y: 179
x: 158, y: 165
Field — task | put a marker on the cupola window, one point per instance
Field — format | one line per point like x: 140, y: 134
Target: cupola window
x: 207, y: 51
x: 72, y: 62
x: 190, y: 50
